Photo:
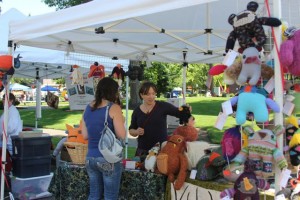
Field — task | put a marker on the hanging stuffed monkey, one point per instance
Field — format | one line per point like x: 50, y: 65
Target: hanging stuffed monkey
x: 248, y: 28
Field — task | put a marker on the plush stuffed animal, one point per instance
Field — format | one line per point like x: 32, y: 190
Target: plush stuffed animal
x: 189, y: 133
x: 231, y: 143
x: 150, y: 161
x: 232, y: 172
x: 96, y: 70
x: 187, y: 130
x: 290, y: 51
x: 118, y: 72
x: 294, y: 149
x: 77, y: 77
x: 172, y: 161
x: 246, y: 26
x: 211, y: 164
x: 253, y: 99
x: 232, y: 72
x: 185, y: 114
x: 291, y: 127
x: 251, y: 67
x: 74, y: 134
x: 247, y: 185
x: 295, y: 193
x: 286, y: 192
x: 262, y: 150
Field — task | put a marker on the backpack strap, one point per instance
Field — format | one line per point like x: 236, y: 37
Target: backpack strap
x: 106, y: 113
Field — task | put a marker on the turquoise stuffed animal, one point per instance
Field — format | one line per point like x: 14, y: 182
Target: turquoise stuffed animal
x: 253, y: 99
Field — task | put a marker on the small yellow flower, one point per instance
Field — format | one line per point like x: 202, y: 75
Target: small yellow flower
x: 180, y: 108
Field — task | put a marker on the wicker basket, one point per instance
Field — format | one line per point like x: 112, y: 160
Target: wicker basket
x: 77, y: 151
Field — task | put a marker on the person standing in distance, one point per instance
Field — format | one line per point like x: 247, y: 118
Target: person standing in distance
x: 15, y: 124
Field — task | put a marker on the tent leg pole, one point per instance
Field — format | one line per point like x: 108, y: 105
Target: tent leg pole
x: 5, y: 124
x: 36, y: 123
x: 126, y: 116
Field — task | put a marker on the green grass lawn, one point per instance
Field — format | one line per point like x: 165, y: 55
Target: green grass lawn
x: 205, y: 110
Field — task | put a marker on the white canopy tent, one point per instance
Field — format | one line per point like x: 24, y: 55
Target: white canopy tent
x: 17, y: 86
x: 40, y: 63
x: 50, y: 63
x: 149, y: 30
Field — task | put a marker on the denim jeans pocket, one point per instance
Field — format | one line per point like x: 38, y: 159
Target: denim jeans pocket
x: 106, y: 168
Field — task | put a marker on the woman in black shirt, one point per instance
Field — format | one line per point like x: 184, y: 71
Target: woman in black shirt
x: 149, y: 120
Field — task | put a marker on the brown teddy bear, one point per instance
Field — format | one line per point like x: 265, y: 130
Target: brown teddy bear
x: 189, y: 133
x: 172, y: 161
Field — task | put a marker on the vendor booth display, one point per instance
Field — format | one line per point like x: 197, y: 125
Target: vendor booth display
x: 250, y: 40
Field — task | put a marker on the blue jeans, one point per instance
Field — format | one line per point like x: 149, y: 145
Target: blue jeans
x: 104, y: 178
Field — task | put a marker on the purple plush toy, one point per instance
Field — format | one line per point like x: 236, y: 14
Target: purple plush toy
x: 290, y: 51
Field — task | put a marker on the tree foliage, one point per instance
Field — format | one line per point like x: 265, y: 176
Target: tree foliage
x: 61, y: 4
x: 23, y: 81
x: 60, y: 81
x: 168, y: 75
x: 158, y: 74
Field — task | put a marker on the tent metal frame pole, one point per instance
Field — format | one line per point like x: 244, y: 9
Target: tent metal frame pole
x: 38, y: 110
x: 5, y: 113
x: 126, y: 117
x: 278, y: 88
x: 171, y: 35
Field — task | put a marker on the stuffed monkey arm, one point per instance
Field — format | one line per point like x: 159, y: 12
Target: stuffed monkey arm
x: 230, y: 41
x: 269, y: 21
x: 286, y: 53
x: 279, y: 158
x: 273, y: 105
x: 260, y: 35
x: 227, y: 192
x: 182, y: 172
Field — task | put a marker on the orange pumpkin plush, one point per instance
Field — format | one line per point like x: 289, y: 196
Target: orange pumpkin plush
x: 74, y: 134
x: 172, y: 161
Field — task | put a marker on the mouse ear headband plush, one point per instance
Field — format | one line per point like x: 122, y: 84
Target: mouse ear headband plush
x: 185, y: 114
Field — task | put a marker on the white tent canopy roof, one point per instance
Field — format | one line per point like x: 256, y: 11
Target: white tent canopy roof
x: 155, y: 30
x: 17, y: 86
x: 57, y: 63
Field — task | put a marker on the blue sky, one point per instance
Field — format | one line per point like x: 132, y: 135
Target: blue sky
x: 32, y: 7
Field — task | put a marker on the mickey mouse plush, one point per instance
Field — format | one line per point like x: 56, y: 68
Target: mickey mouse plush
x: 246, y: 26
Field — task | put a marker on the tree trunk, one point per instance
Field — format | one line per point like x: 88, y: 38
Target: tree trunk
x: 134, y: 94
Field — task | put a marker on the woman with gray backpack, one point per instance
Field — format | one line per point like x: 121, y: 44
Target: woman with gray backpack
x: 105, y: 177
